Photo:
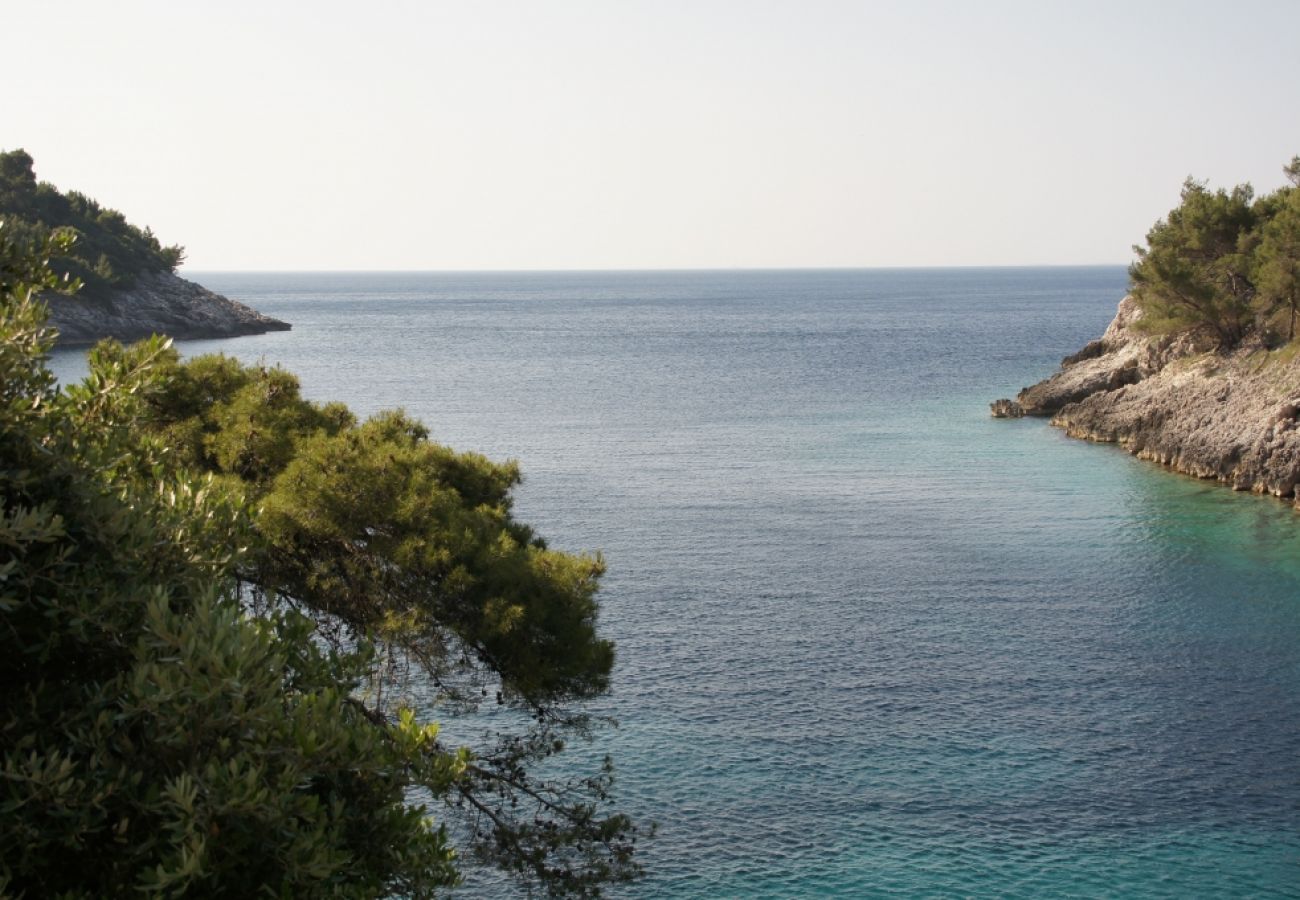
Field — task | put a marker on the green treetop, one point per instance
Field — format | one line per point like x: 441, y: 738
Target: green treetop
x: 1221, y: 261
x: 1277, y: 255
x: 108, y: 253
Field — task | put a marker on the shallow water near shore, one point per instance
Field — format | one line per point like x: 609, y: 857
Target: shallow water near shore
x: 871, y: 641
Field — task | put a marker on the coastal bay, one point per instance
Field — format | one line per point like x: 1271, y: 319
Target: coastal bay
x: 870, y: 640
x: 499, y: 450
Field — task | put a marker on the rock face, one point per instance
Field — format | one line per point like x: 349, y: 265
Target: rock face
x: 158, y: 303
x: 1229, y: 417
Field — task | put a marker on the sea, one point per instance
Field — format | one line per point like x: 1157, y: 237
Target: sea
x: 871, y: 642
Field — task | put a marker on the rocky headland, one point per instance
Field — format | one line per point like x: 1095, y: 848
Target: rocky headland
x: 157, y: 303
x: 1173, y: 400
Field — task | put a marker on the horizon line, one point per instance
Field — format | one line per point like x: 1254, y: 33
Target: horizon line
x: 530, y: 271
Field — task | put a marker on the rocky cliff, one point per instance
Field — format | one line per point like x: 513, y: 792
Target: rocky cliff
x: 158, y: 302
x: 1230, y: 417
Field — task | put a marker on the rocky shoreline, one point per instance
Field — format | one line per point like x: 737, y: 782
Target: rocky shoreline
x: 158, y: 303
x: 1172, y: 400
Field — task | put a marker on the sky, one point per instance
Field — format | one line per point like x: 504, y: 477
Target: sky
x: 620, y: 134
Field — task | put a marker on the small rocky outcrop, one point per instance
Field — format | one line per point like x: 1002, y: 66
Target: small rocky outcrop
x: 158, y: 303
x: 1230, y: 417
x: 1007, y: 409
x: 1124, y: 355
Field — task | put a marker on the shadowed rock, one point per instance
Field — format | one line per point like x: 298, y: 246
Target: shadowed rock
x: 158, y: 303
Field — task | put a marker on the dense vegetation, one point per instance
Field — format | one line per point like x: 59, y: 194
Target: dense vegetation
x: 227, y: 616
x: 108, y: 252
x: 1224, y: 262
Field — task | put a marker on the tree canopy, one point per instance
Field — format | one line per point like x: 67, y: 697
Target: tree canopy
x: 109, y: 252
x: 1276, y: 260
x: 210, y: 589
x: 1222, y: 261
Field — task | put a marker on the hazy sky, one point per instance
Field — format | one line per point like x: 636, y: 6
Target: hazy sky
x: 624, y: 134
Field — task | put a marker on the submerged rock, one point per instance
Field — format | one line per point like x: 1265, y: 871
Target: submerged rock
x: 158, y: 303
x: 1006, y: 409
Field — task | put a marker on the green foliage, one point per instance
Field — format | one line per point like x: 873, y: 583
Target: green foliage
x: 199, y: 699
x: 383, y: 535
x: 1194, y: 269
x: 381, y: 528
x: 1220, y: 262
x: 443, y: 569
x: 1277, y: 259
x: 156, y: 738
x: 109, y: 252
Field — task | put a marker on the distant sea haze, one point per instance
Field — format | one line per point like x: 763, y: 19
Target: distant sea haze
x: 871, y: 642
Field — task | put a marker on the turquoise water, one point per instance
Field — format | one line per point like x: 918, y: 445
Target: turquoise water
x: 871, y: 641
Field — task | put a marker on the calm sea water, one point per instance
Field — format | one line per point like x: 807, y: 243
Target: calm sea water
x: 871, y: 641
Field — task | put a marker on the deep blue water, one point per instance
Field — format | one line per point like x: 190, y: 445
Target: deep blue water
x: 871, y: 641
